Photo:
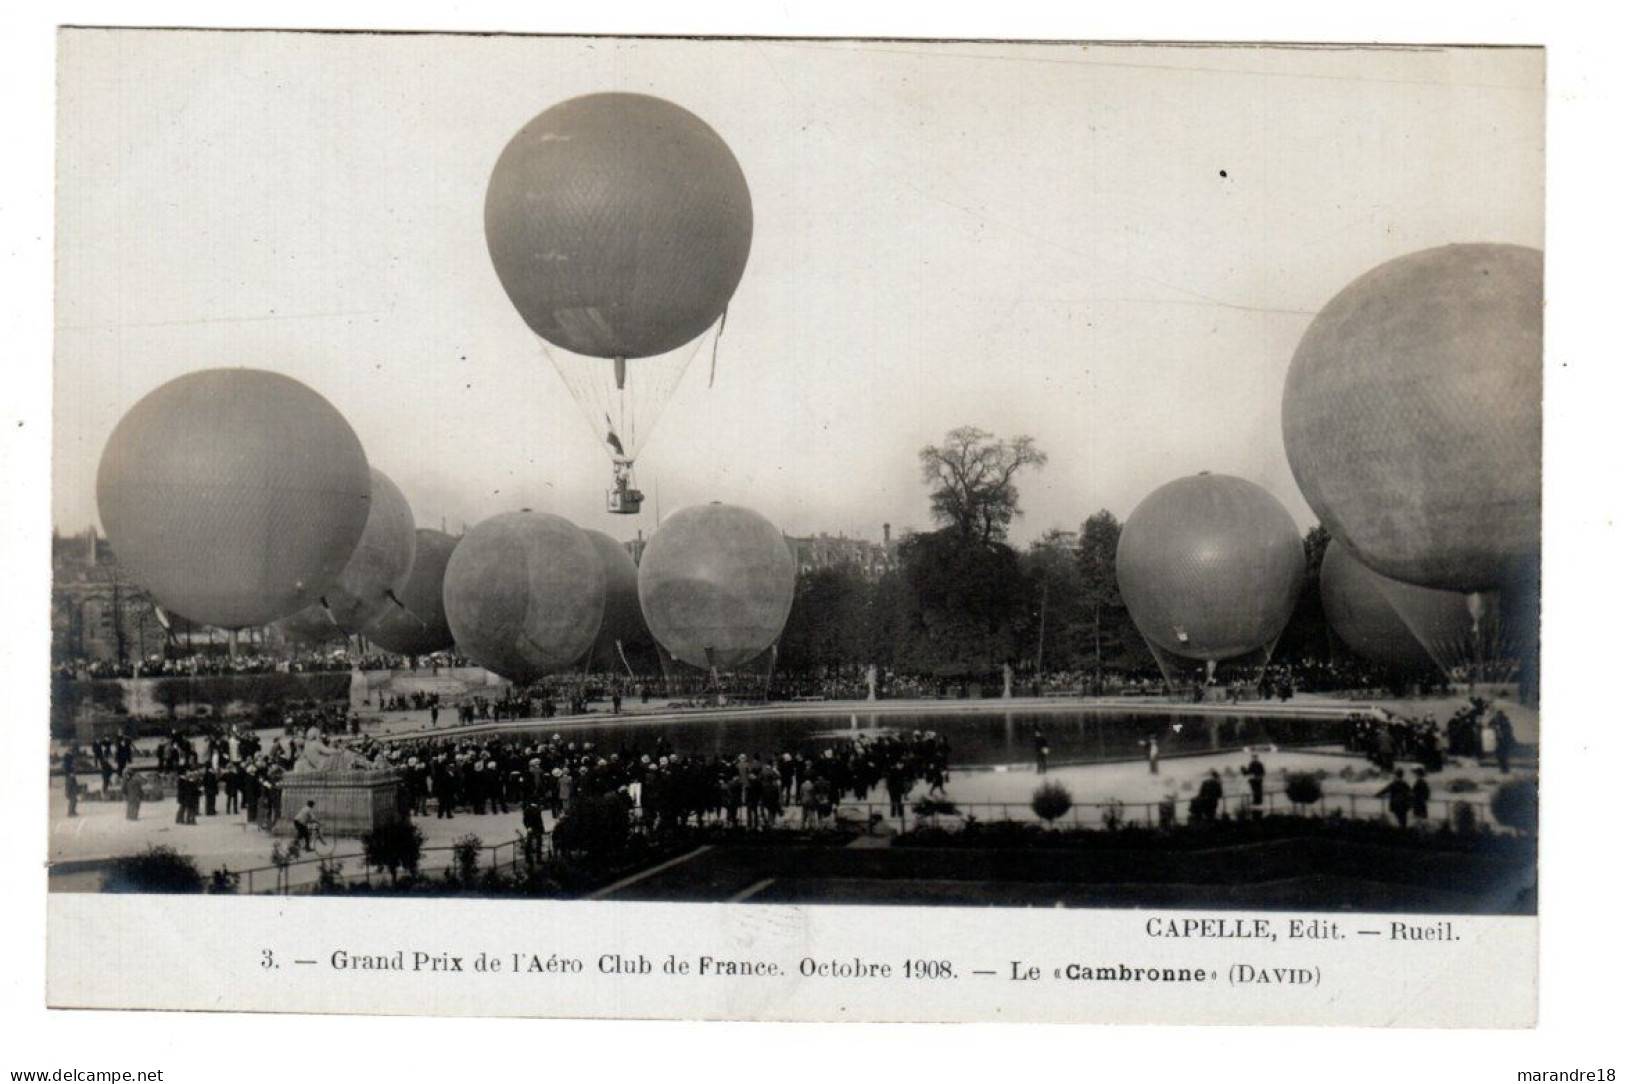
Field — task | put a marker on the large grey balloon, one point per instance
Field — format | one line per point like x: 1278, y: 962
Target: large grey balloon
x: 524, y: 594
x: 1210, y: 567
x: 619, y: 224
x: 235, y: 496
x: 716, y: 583
x: 373, y: 577
x: 1412, y: 415
x: 1358, y: 608
x: 623, y: 616
x: 420, y: 628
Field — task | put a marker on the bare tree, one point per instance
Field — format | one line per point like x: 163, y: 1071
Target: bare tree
x: 972, y: 475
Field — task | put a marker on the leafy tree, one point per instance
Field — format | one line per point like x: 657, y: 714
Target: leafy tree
x: 972, y: 478
x: 1111, y: 631
x: 829, y: 622
x: 1055, y: 588
x: 965, y: 605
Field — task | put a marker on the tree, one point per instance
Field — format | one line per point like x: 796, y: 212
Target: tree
x: 829, y: 622
x: 972, y: 475
x: 1111, y: 630
x: 1052, y: 570
x: 964, y: 607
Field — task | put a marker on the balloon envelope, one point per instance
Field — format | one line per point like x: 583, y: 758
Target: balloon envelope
x: 623, y: 616
x: 619, y: 225
x: 1412, y: 415
x: 1210, y: 567
x: 373, y: 577
x: 524, y: 594
x: 716, y: 582
x: 234, y: 496
x: 1358, y: 608
x: 420, y: 628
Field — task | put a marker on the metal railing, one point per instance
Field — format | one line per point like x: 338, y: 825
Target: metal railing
x: 280, y: 878
x: 511, y: 854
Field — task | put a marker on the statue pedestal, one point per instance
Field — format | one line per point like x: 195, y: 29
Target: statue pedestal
x: 347, y: 803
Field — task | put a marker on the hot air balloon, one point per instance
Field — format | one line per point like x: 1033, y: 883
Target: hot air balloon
x: 1412, y: 416
x: 715, y: 583
x: 1358, y: 608
x: 623, y: 626
x: 524, y: 594
x: 373, y: 577
x: 418, y: 626
x: 619, y: 225
x: 1210, y: 568
x: 234, y: 496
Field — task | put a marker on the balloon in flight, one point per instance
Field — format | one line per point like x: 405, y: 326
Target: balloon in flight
x: 619, y: 224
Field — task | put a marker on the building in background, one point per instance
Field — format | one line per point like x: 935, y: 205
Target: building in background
x: 872, y: 559
x: 97, y: 614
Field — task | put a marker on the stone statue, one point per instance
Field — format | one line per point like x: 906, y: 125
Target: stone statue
x: 318, y: 756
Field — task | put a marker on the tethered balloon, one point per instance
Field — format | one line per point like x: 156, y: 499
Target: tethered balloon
x: 1358, y: 608
x: 418, y: 626
x: 524, y: 594
x: 234, y: 496
x: 1210, y: 567
x: 373, y: 577
x: 716, y: 583
x: 623, y: 625
x: 1412, y: 416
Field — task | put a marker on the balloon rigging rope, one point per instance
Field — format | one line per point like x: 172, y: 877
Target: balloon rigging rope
x: 631, y: 411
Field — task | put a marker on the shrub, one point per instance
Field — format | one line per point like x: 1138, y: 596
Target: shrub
x: 393, y: 847
x: 156, y: 869
x: 1463, y: 819
x: 465, y: 855
x: 1516, y: 805
x: 1303, y: 789
x: 1111, y: 814
x: 330, y: 876
x: 1051, y: 802
x: 222, y: 882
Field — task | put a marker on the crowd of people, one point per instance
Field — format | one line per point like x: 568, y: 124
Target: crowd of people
x: 663, y: 786
x: 1476, y: 731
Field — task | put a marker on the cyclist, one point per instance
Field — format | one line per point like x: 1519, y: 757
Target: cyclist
x: 306, y: 825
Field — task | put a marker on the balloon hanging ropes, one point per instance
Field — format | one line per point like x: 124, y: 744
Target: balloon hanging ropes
x: 622, y: 400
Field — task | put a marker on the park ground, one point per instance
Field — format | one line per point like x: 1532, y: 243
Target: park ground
x: 77, y: 845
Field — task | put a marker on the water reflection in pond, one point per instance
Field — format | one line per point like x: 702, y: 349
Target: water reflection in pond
x: 979, y: 739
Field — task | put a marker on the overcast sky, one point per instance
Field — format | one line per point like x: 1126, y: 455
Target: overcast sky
x: 1114, y: 250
